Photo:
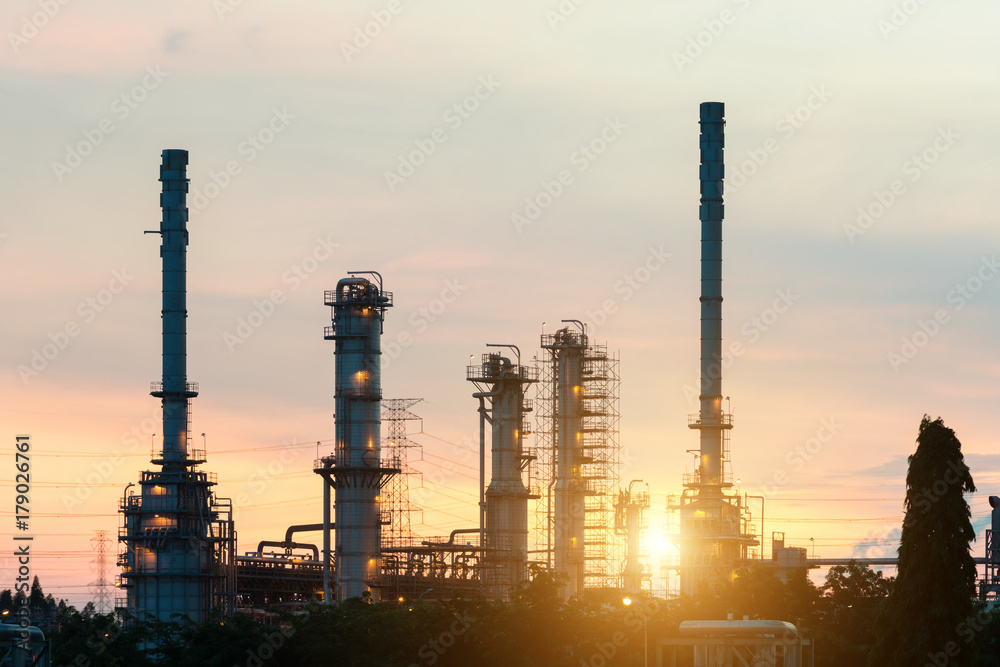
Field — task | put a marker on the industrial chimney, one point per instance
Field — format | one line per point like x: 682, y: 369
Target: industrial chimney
x: 713, y: 522
x: 179, y: 538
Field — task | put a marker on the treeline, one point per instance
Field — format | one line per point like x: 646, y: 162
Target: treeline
x: 534, y: 629
x: 45, y: 610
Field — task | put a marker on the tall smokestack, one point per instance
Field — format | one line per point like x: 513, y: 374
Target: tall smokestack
x: 715, y: 530
x: 174, y: 390
x: 180, y: 543
x: 711, y: 213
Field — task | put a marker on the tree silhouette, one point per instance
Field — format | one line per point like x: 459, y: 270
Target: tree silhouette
x: 851, y: 598
x: 935, y: 588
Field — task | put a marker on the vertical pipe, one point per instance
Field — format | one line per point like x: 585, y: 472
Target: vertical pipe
x: 483, y: 418
x: 482, y: 471
x: 711, y: 214
x: 327, y: 595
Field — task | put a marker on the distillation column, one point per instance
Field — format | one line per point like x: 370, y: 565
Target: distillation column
x: 180, y: 542
x: 355, y: 470
x: 506, y: 521
x: 567, y: 350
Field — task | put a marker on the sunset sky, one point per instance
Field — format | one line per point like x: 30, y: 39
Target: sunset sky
x: 502, y: 164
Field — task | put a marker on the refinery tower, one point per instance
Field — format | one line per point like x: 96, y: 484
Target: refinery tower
x: 504, y: 508
x: 356, y: 470
x: 711, y: 524
x: 579, y: 446
x: 179, y: 539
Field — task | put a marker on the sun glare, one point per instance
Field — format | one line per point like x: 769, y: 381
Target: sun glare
x: 658, y: 545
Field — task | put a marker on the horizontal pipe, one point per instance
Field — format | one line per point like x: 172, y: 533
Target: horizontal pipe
x: 288, y: 546
x: 451, y: 539
x: 778, y: 628
x: 304, y: 528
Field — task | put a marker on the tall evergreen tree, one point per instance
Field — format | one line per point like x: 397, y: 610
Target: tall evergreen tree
x: 36, y: 598
x: 936, y: 584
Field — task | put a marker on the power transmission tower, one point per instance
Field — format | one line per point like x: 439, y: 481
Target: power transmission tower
x: 99, y: 588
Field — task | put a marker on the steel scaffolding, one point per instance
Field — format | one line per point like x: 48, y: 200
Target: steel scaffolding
x: 578, y: 441
x: 989, y: 587
x: 631, y: 523
x: 545, y: 473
